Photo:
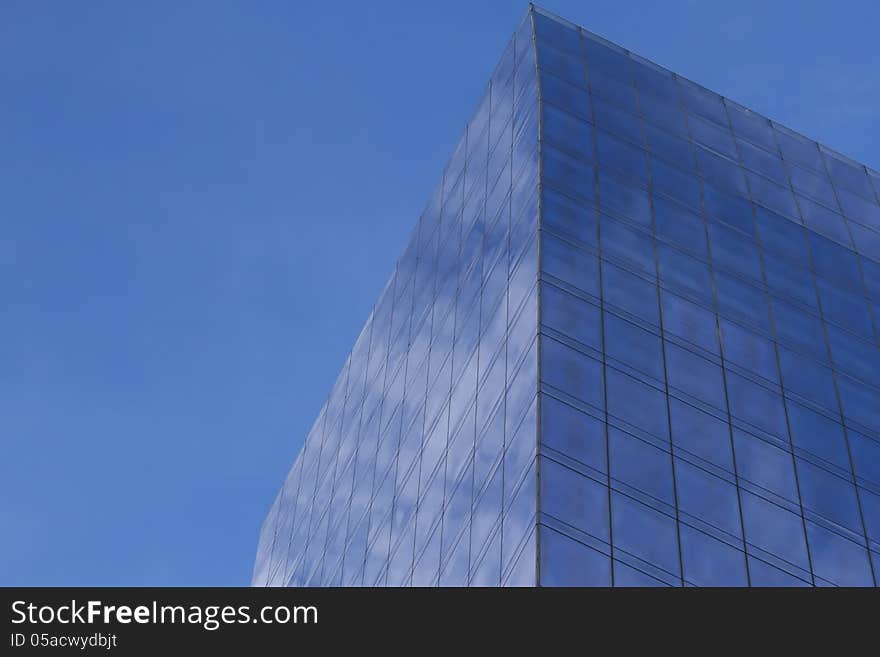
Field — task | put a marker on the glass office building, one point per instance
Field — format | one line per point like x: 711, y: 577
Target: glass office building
x: 634, y: 340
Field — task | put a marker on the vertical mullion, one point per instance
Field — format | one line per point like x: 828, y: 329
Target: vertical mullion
x: 540, y: 300
x: 672, y: 460
x: 843, y: 422
x: 600, y: 261
x: 813, y: 278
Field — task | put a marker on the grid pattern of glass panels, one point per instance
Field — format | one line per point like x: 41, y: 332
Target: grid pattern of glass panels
x: 420, y: 469
x: 692, y: 329
x: 709, y: 400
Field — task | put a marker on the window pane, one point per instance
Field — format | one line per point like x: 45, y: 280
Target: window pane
x: 798, y: 149
x: 721, y: 172
x: 860, y: 403
x: 848, y: 176
x: 713, y: 136
x: 684, y: 272
x: 837, y: 559
x: 866, y: 456
x: 763, y: 574
x: 860, y: 210
x: 566, y: 562
x: 621, y: 156
x: 823, y: 220
x: 849, y: 309
x: 689, y: 321
x: 737, y: 299
x: 756, y: 405
x: 701, y: 434
x: 834, y: 262
x: 707, y: 497
x: 730, y: 208
x: 695, y: 376
x: 871, y: 512
x: 564, y: 214
x: 762, y: 161
x: 814, y: 185
x: 645, y: 533
x: 567, y: 174
x: 637, y: 403
x: 627, y: 576
x: 799, y: 329
x: 640, y: 465
x: 808, y: 378
x: 790, y: 281
x: 817, y: 434
x: 701, y: 101
x: 679, y: 225
x: 752, y: 126
x: 669, y: 147
x: 624, y: 198
x: 634, y: 346
x: 571, y: 265
x: 765, y: 465
x: 575, y: 434
x: 576, y: 318
x: 572, y: 372
x: 735, y: 252
x: 782, y: 236
x: 630, y: 292
x: 774, y: 529
x: 676, y: 183
x: 749, y: 350
x: 564, y: 65
x: 708, y: 562
x: 628, y: 244
x: 621, y: 123
x: 574, y: 499
x: 564, y: 94
x: 829, y: 495
x: 567, y: 132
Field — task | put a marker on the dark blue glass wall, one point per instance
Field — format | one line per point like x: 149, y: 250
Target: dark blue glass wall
x: 710, y: 306
x: 420, y: 469
x: 634, y: 340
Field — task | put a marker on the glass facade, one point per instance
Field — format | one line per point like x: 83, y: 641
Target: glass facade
x: 633, y: 341
x: 420, y: 469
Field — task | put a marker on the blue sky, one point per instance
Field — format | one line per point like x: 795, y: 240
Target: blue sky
x: 199, y: 202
